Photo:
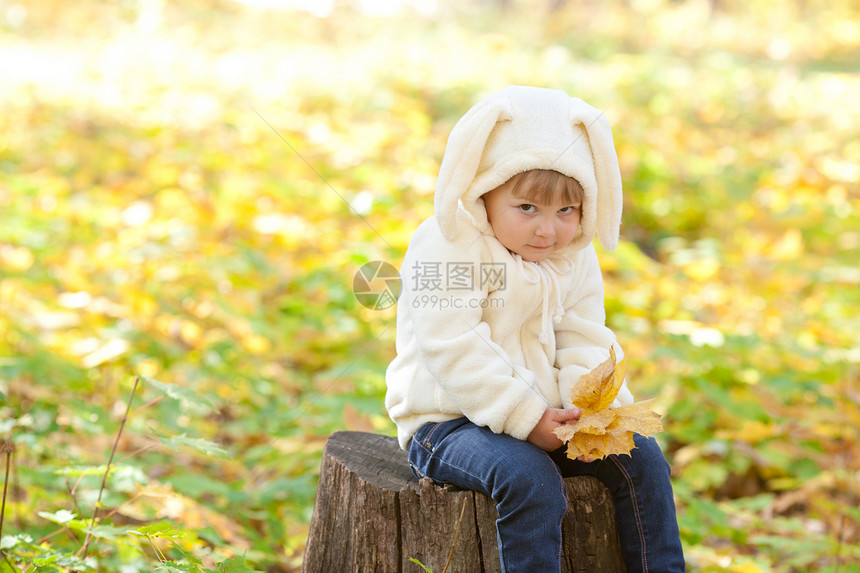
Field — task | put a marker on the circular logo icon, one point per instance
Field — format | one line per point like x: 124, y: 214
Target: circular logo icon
x: 376, y: 285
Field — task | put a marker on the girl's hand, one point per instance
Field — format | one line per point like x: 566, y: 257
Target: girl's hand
x: 542, y: 435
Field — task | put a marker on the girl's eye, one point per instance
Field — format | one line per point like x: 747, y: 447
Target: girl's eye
x: 568, y: 209
x: 525, y: 208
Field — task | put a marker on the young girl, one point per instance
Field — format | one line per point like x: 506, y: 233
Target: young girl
x: 501, y: 312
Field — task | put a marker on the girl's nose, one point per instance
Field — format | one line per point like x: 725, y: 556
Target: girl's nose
x: 545, y: 229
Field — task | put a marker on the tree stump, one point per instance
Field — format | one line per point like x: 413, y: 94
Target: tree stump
x: 372, y: 515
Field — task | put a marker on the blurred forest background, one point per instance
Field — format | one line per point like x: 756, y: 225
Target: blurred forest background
x: 187, y: 189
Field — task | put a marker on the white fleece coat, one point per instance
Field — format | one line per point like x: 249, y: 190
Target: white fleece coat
x: 482, y: 333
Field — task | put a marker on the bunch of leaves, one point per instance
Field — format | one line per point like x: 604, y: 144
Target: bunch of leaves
x: 602, y: 430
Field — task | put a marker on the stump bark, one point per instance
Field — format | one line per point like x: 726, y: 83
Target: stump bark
x: 372, y: 515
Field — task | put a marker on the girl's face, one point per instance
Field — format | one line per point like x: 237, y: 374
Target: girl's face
x: 531, y: 229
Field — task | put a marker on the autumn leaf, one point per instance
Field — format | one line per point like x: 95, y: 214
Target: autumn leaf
x: 592, y: 391
x: 602, y: 430
x: 639, y: 418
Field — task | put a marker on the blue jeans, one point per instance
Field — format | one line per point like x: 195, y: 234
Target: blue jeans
x: 527, y: 485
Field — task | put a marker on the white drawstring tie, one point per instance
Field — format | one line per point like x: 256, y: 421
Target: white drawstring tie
x: 546, y: 273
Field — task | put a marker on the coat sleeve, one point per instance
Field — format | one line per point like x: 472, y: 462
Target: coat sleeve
x: 582, y: 337
x: 454, y: 342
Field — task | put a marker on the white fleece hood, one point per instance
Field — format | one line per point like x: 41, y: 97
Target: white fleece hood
x: 522, y: 128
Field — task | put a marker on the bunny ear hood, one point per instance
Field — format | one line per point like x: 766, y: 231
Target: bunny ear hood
x: 522, y: 128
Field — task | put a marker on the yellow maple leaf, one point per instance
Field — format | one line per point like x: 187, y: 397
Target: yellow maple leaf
x: 595, y: 423
x: 639, y: 418
x: 592, y: 392
x: 602, y: 430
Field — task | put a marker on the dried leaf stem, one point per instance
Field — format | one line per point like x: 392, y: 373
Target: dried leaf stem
x: 107, y: 469
x: 8, y: 448
x: 456, y: 534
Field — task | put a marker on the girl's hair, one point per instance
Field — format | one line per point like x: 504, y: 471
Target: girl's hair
x: 544, y: 185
